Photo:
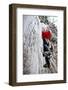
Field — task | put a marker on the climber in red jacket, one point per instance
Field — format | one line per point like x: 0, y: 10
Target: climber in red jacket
x: 46, y: 36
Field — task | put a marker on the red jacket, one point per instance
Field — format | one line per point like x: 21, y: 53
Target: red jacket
x: 46, y: 35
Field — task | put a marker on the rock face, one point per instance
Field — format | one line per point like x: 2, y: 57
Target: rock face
x: 33, y: 59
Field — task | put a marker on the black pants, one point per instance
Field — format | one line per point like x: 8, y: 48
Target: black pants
x: 47, y: 59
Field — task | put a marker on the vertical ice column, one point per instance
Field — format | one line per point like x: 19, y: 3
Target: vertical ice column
x: 32, y: 45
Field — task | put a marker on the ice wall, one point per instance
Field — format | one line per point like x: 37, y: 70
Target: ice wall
x: 32, y: 45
